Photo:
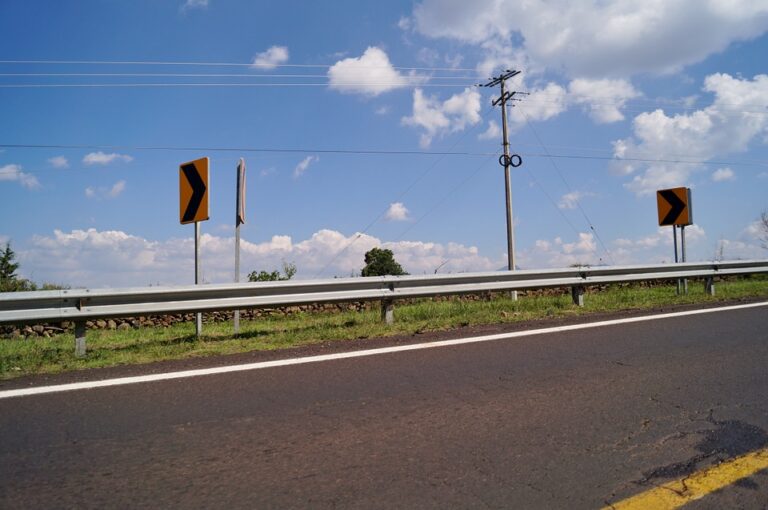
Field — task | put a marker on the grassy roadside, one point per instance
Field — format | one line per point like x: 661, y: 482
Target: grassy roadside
x: 109, y: 348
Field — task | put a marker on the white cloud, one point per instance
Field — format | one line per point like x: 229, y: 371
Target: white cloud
x: 438, y: 118
x: 266, y: 172
x: 723, y: 174
x: 303, y: 165
x: 397, y: 212
x: 646, y: 249
x: 13, y: 173
x: 728, y: 125
x: 595, y: 38
x: 116, y: 189
x: 105, y: 193
x: 95, y: 258
x: 382, y: 110
x: 101, y: 158
x: 540, y: 104
x: 271, y: 58
x: 557, y: 253
x: 370, y: 74
x: 194, y: 4
x: 603, y: 99
x: 492, y: 133
x: 571, y: 200
x: 428, y: 56
x: 59, y: 162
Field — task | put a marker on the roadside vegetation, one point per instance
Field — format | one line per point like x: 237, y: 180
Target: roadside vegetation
x: 114, y: 347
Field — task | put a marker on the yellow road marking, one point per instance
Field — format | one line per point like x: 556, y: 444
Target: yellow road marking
x: 679, y: 492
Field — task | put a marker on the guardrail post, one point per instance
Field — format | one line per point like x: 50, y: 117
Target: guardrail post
x: 709, y: 285
x: 79, y: 339
x: 388, y: 311
x: 577, y: 293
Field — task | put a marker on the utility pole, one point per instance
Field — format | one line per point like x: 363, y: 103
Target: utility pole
x: 507, y: 161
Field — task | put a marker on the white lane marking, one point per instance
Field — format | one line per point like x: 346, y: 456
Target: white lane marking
x: 355, y: 354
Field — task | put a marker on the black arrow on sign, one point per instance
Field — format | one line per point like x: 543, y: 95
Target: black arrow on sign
x: 678, y: 206
x: 198, y: 191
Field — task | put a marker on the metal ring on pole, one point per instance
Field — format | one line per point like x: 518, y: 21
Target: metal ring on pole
x: 514, y: 160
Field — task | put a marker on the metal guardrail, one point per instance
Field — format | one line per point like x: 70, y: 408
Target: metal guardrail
x: 79, y: 305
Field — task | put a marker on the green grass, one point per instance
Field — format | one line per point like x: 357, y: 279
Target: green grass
x: 109, y: 348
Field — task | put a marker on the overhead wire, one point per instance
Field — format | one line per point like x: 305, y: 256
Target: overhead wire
x: 402, y: 194
x: 211, y: 85
x: 529, y: 124
x: 198, y: 75
x: 278, y: 150
x: 445, y: 197
x: 224, y: 64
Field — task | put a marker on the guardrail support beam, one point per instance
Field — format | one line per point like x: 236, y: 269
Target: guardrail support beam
x: 80, y: 339
x: 709, y: 286
x: 388, y: 312
x: 577, y: 293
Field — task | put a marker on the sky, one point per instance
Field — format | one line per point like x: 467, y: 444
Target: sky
x: 362, y: 124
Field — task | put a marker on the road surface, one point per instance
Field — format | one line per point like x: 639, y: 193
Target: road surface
x: 574, y: 419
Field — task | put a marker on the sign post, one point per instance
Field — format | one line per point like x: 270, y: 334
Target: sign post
x: 239, y: 220
x: 193, y: 208
x: 675, y: 209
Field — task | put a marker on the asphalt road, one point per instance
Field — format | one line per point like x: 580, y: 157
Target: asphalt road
x: 569, y: 420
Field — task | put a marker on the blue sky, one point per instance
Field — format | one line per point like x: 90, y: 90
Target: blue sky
x: 346, y: 115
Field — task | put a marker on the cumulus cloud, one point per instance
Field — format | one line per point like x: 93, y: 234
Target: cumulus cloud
x: 603, y: 99
x: 597, y: 38
x: 723, y: 174
x: 397, y: 212
x: 101, y: 158
x: 571, y: 200
x: 59, y: 162
x: 303, y: 165
x: 105, y: 193
x: 728, y: 125
x: 271, y: 58
x: 559, y: 253
x: 370, y: 74
x: 194, y: 4
x: 13, y: 173
x: 657, y: 247
x: 650, y: 248
x: 438, y: 118
x: 492, y: 133
x: 94, y: 258
x: 540, y: 104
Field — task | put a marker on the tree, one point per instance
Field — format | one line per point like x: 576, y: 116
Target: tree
x: 7, y: 266
x: 9, y: 281
x: 763, y: 226
x: 380, y: 262
x: 289, y: 269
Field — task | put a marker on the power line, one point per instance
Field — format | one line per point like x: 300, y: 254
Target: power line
x: 402, y: 194
x: 445, y: 197
x: 199, y: 75
x: 243, y: 85
x: 381, y: 152
x: 223, y: 64
x: 554, y: 204
x: 568, y: 186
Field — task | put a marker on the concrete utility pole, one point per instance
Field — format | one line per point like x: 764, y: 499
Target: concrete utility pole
x: 507, y: 161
